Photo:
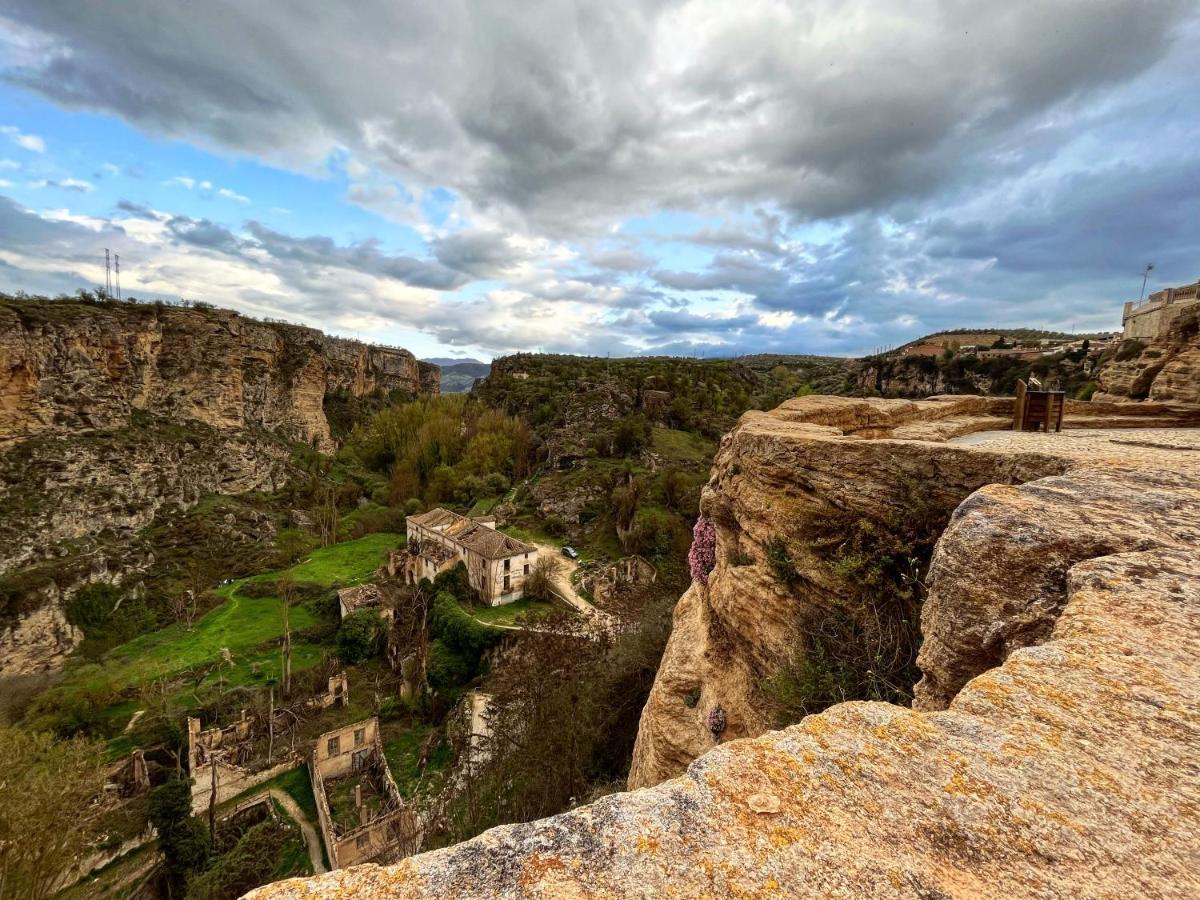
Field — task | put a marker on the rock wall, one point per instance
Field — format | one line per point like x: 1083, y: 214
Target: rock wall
x: 1165, y: 369
x: 779, y: 476
x: 67, y: 366
x: 1062, y: 772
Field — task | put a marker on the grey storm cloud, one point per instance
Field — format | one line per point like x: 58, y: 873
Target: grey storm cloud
x: 568, y: 113
x: 484, y: 253
x: 364, y: 257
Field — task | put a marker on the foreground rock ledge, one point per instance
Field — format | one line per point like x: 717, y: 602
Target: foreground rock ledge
x: 1068, y: 771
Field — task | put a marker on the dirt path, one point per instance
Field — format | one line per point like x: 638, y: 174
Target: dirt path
x: 312, y: 840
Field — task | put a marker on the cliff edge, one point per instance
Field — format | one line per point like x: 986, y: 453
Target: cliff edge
x: 1048, y: 753
x: 67, y: 366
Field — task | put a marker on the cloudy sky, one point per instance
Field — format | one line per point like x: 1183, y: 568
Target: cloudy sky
x: 621, y: 177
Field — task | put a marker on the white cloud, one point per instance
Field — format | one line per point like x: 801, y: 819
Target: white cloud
x: 183, y: 181
x: 30, y: 142
x: 66, y: 184
x: 9, y: 164
x: 233, y: 195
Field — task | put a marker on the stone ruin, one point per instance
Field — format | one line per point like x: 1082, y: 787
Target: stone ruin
x: 362, y: 815
x: 233, y: 754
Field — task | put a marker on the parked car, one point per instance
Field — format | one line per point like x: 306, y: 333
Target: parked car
x: 570, y: 552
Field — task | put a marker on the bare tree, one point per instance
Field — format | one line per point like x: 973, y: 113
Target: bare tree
x: 287, y: 596
x: 325, y: 515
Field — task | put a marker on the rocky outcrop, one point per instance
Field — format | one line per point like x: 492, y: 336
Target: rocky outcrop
x: 1166, y: 369
x: 780, y: 479
x: 1065, y: 772
x: 67, y: 366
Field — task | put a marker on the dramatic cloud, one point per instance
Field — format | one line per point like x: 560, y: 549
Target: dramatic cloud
x: 647, y: 175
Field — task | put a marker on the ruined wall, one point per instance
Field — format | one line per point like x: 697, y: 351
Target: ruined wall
x: 68, y: 366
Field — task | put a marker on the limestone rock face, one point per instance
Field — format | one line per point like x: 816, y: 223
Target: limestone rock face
x: 776, y: 479
x: 69, y: 366
x: 985, y: 600
x: 1166, y: 369
x: 1065, y: 772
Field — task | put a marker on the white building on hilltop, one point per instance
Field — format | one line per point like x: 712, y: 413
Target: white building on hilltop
x: 497, y: 564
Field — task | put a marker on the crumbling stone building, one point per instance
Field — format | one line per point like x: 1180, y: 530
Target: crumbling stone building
x: 234, y: 755
x: 363, y: 817
x: 497, y: 564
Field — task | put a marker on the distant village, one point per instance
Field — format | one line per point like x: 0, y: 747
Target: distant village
x: 1141, y: 320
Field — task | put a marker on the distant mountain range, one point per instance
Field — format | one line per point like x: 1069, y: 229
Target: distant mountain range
x: 459, y: 374
x: 447, y: 361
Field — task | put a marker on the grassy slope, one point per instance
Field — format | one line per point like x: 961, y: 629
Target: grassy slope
x: 243, y: 625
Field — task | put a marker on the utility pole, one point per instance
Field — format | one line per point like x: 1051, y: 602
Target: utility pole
x: 107, y: 275
x: 1145, y: 275
x: 117, y: 264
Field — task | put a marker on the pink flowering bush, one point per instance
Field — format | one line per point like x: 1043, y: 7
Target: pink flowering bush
x: 702, y: 558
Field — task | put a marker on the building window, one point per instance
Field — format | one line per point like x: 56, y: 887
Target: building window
x: 362, y: 841
x: 507, y: 564
x: 333, y: 746
x: 507, y: 583
x: 360, y: 736
x: 526, y: 568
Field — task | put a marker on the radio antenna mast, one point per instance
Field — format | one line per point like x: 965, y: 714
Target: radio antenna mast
x: 107, y: 275
x: 117, y: 266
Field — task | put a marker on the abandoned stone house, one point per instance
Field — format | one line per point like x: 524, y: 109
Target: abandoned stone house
x: 497, y: 564
x: 362, y: 596
x: 1154, y: 316
x: 238, y: 756
x: 363, y: 818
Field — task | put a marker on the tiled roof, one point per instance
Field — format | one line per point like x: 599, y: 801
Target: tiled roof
x: 472, y: 534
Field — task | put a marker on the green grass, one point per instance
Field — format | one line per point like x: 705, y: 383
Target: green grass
x: 293, y: 856
x: 682, y: 445
x: 350, y: 562
x: 403, y: 754
x: 484, y: 506
x: 244, y: 626
x: 508, y: 613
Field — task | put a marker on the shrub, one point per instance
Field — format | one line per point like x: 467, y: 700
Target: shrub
x: 539, y: 584
x: 1087, y: 391
x: 780, y: 561
x: 454, y: 627
x: 1129, y: 350
x: 252, y: 861
x: 360, y: 636
x: 182, y: 838
x: 455, y: 581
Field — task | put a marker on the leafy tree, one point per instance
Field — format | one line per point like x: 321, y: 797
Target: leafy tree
x: 182, y: 838
x: 45, y: 790
x: 359, y: 636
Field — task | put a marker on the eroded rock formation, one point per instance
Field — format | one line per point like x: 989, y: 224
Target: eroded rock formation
x: 66, y: 366
x: 1166, y: 369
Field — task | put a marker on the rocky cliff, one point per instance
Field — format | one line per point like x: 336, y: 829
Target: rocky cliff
x: 1166, y: 369
x: 66, y: 366
x: 1052, y: 736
